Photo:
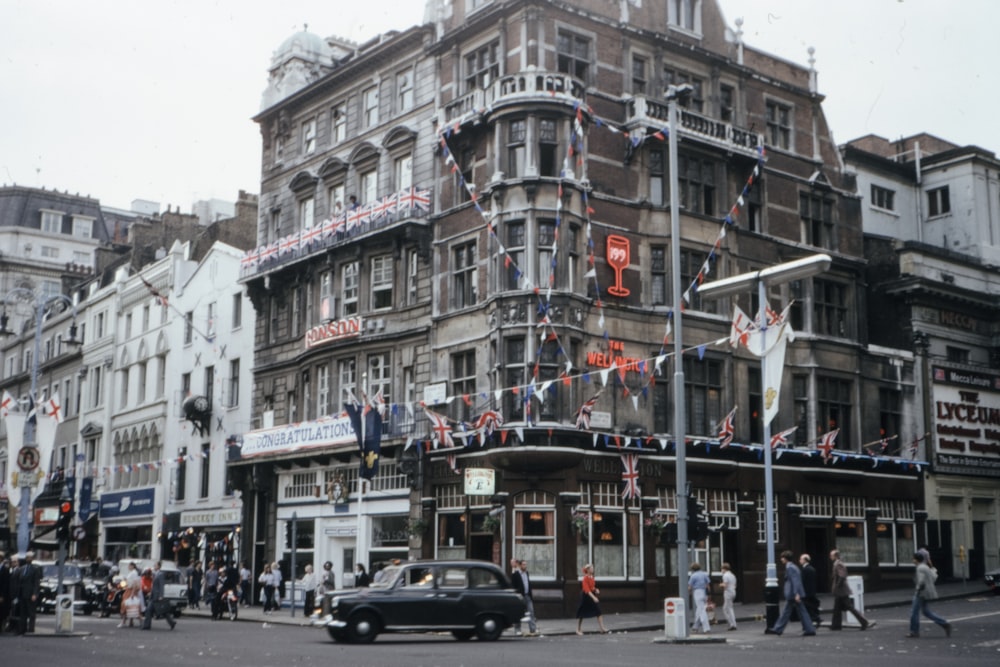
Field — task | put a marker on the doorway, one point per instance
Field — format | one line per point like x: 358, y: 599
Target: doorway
x: 816, y: 543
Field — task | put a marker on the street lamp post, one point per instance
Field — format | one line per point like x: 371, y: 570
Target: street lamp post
x: 774, y: 275
x: 40, y: 303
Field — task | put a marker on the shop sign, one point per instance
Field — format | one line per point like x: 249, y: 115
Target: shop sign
x: 138, y: 502
x: 333, y: 331
x: 480, y: 482
x: 303, y: 435
x: 615, y: 356
x: 966, y: 422
x: 220, y: 517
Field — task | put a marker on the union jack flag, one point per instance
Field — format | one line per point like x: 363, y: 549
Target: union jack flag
x: 288, y: 244
x: 311, y: 235
x: 630, y: 475
x: 333, y: 225
x: 353, y: 219
x: 366, y: 213
x: 384, y: 207
x: 583, y: 414
x: 781, y: 439
x: 453, y: 464
x: 249, y: 260
x: 440, y: 430
x: 726, y: 431
x: 268, y: 251
x: 489, y: 421
x: 826, y: 444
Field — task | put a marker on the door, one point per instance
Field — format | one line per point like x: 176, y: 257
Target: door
x: 816, y: 543
x: 977, y: 554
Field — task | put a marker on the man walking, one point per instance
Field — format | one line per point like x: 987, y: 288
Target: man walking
x: 842, y: 600
x: 522, y: 584
x: 156, y: 603
x: 924, y: 591
x: 793, y: 599
x: 27, y: 588
x: 211, y: 584
x: 728, y: 595
x: 809, y: 585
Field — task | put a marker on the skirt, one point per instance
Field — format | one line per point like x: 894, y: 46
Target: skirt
x: 588, y: 608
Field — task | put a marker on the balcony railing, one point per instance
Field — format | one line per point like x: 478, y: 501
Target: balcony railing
x: 519, y: 87
x: 645, y: 112
x: 381, y: 213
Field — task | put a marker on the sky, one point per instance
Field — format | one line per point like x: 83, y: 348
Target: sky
x: 124, y: 100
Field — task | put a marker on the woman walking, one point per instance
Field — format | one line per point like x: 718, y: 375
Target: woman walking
x: 589, y: 602
x: 267, y: 581
x: 924, y: 591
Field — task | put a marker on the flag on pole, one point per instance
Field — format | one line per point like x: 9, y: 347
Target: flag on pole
x: 630, y: 475
x: 7, y: 403
x: 583, y: 414
x: 826, y: 444
x: 53, y: 409
x: 739, y: 332
x: 781, y: 439
x: 726, y: 432
x: 440, y: 429
x: 368, y: 429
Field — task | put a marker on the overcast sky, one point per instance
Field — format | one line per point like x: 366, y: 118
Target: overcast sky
x: 131, y: 99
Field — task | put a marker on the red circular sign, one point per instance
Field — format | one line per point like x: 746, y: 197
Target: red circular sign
x: 27, y: 458
x: 670, y: 606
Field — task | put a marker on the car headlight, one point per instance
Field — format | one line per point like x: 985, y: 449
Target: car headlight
x: 334, y: 603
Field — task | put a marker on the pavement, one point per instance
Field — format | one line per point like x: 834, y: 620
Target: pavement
x: 749, y: 617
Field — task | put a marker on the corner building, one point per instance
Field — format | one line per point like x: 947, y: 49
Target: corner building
x: 508, y: 251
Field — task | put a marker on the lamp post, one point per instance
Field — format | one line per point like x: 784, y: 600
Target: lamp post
x: 40, y: 303
x: 775, y: 275
x: 674, y: 94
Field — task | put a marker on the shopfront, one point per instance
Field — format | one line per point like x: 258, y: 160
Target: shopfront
x: 128, y: 525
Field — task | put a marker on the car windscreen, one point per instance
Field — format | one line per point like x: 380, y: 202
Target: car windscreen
x: 52, y: 571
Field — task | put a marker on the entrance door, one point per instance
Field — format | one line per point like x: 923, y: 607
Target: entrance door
x: 939, y: 544
x: 481, y: 547
x: 977, y: 554
x: 816, y: 543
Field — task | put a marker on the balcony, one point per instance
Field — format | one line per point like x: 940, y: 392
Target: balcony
x: 528, y: 86
x: 644, y: 112
x: 414, y: 203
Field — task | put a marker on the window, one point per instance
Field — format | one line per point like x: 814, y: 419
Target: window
x: 696, y: 180
x: 833, y: 409
x: 516, y: 155
x: 658, y: 275
x: 535, y: 532
x: 727, y: 96
x: 99, y: 326
x: 349, y: 289
x: 210, y: 385
x: 513, y: 370
x: 515, y: 252
x: 549, y: 159
x: 338, y: 123
x: 403, y: 172
x: 816, y: 213
x: 161, y: 376
x: 404, y: 91
x: 703, y: 389
x: 573, y: 252
x: 546, y: 258
x: 381, y: 280
x: 639, y: 75
x: 369, y: 186
x: 464, y: 276
x: 779, y: 125
x: 370, y: 99
x: 50, y: 252
x: 347, y: 377
x: 696, y: 100
x: 657, y: 178
x: 206, y: 453
x: 322, y: 390
x: 463, y: 385
x: 237, y: 320
x: 188, y: 327
x: 180, y: 478
x: 548, y: 367
x: 380, y: 377
x: 80, y: 257
x: 123, y: 401
x: 482, y: 66
x: 830, y: 308
x: 335, y: 199
x: 145, y: 317
x: 883, y: 198
x: 309, y: 137
x: 52, y: 222
x: 234, y: 383
x: 128, y: 325
x: 295, y: 311
x: 573, y: 54
x: 612, y: 537
x: 143, y: 369
x: 210, y: 319
x: 938, y: 201
x: 96, y: 377
x: 411, y: 277
x: 956, y: 355
x: 691, y: 263
x: 890, y: 414
x: 306, y: 213
x: 275, y: 225
x: 683, y: 13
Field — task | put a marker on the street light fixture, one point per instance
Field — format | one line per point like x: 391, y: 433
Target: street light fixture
x: 774, y: 275
x: 40, y: 304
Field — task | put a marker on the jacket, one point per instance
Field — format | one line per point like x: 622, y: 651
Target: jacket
x: 793, y: 582
x: 840, y: 588
x: 517, y: 579
x: 924, y: 579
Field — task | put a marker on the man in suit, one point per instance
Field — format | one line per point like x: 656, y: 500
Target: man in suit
x: 842, y: 600
x: 4, y: 591
x: 794, y: 593
x: 522, y: 584
x: 156, y: 599
x: 26, y: 587
x: 809, y: 585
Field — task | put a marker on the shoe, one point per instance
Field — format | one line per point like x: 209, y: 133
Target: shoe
x: 517, y: 633
x: 947, y: 629
x: 771, y: 631
x: 173, y: 625
x: 913, y: 635
x: 809, y: 634
x: 868, y: 625
x: 834, y: 629
x: 731, y: 628
x: 121, y: 625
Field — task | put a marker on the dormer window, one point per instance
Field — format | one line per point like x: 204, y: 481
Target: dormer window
x: 52, y: 222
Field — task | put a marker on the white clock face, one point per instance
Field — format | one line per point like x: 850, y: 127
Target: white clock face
x: 201, y: 404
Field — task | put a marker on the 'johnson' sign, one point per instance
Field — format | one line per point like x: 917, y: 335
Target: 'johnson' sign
x: 333, y: 331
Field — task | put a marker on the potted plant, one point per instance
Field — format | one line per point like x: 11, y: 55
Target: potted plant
x: 580, y: 523
x: 491, y: 524
x: 656, y: 524
x: 416, y: 526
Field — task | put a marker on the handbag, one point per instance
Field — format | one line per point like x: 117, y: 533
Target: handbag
x: 161, y: 608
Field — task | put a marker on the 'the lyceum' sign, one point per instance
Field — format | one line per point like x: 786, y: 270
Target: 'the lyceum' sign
x: 966, y: 422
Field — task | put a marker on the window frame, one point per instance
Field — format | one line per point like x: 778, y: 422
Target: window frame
x: 570, y: 60
x: 464, y: 275
x: 779, y: 119
x: 381, y: 282
x: 938, y: 202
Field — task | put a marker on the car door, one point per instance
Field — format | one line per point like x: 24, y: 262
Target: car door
x: 411, y: 602
x: 451, y: 603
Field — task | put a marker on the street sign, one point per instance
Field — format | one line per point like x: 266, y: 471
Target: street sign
x: 79, y: 533
x: 27, y: 459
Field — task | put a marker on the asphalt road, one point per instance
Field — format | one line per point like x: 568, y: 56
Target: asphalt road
x: 206, y: 643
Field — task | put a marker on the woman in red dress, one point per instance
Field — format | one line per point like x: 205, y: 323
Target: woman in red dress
x: 589, y: 607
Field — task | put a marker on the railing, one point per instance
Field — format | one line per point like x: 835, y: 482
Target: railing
x: 335, y: 230
x: 521, y: 86
x: 646, y: 112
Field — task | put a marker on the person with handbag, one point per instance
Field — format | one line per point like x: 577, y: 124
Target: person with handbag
x: 589, y: 602
x: 157, y: 605
x: 924, y: 591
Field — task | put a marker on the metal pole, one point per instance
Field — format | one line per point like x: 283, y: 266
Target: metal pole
x: 679, y: 407
x: 771, y: 576
x: 291, y: 574
x: 24, y: 524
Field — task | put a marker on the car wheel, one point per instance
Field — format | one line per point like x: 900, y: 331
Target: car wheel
x: 362, y: 627
x: 489, y: 628
x: 336, y: 635
x: 463, y: 635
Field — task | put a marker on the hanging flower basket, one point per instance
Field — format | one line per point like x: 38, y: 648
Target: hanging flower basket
x: 491, y: 524
x: 656, y: 524
x: 579, y: 523
x: 416, y: 527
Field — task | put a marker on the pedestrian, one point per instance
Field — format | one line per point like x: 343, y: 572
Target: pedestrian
x: 4, y: 591
x: 28, y: 588
x: 211, y: 585
x: 924, y: 591
x: 309, y: 584
x: 156, y: 604
x: 195, y: 577
x: 279, y: 583
x: 522, y: 584
x: 793, y: 599
x: 842, y: 600
x: 133, y: 604
x: 699, y: 586
x: 809, y: 584
x: 132, y: 574
x: 266, y: 580
x: 589, y: 602
x: 246, y: 590
x: 728, y: 595
x: 361, y: 579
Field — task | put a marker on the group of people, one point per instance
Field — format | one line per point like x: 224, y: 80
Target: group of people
x: 143, y: 597
x: 20, y: 586
x: 211, y: 585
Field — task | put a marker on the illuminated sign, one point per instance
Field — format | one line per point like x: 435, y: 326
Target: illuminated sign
x: 333, y: 331
x: 618, y: 256
x: 966, y: 422
x: 613, y: 357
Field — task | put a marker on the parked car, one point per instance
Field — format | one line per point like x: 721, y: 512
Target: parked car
x: 175, y: 586
x: 468, y: 598
x: 85, y: 598
x: 992, y: 579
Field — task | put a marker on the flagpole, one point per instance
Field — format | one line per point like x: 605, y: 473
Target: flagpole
x: 771, y: 575
x: 360, y: 541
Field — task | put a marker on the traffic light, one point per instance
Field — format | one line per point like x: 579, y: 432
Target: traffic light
x: 697, y: 521
x: 65, y: 519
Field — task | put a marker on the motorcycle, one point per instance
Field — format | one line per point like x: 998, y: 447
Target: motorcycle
x: 111, y: 602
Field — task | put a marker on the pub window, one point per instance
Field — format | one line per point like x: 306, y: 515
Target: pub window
x: 703, y: 389
x: 816, y: 214
x: 463, y: 384
x: 890, y: 413
x: 535, y: 532
x: 658, y: 274
x: 514, y: 351
x: 517, y: 131
x: 573, y: 54
x: 779, y: 125
x: 830, y: 308
x: 833, y: 409
x: 548, y: 148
